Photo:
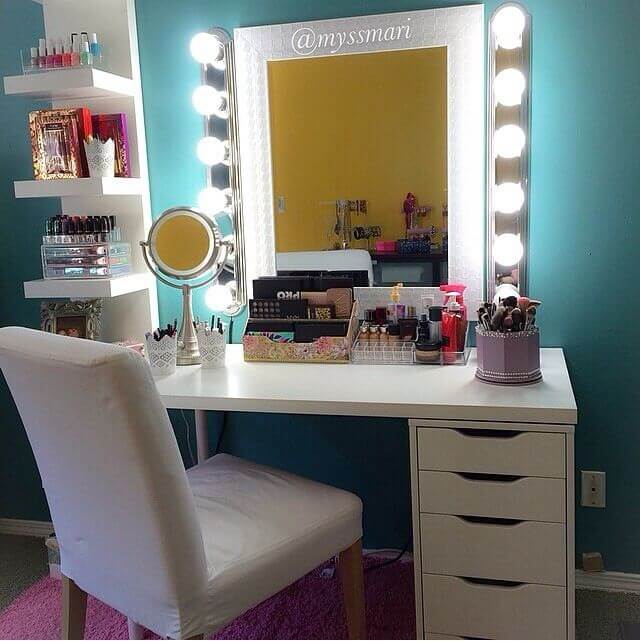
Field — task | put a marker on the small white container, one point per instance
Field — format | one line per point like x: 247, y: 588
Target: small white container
x: 212, y: 346
x: 162, y: 354
x: 100, y: 158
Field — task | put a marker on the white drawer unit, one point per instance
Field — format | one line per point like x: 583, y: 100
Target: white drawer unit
x: 493, y: 529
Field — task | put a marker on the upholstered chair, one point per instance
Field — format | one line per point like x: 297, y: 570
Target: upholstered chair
x: 180, y: 553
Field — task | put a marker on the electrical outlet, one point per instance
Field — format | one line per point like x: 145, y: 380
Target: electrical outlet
x: 593, y: 489
x: 281, y: 205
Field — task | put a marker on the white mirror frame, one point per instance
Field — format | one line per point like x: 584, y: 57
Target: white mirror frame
x: 461, y: 30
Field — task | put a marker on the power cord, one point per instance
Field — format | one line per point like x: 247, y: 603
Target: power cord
x: 187, y: 431
x: 222, y: 430
x: 395, y: 559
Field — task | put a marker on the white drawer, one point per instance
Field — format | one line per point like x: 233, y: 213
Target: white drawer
x: 492, y: 452
x: 524, y: 551
x: 527, y: 498
x: 459, y: 607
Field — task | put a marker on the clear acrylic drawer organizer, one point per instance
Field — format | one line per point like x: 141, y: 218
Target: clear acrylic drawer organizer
x: 85, y: 260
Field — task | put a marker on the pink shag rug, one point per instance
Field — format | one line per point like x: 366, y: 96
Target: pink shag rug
x: 309, y: 609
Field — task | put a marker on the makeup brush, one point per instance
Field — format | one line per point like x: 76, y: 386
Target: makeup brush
x: 497, y: 318
x: 523, y: 304
x: 516, y: 317
x: 531, y: 317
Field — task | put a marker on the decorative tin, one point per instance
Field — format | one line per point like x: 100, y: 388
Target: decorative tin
x: 511, y: 358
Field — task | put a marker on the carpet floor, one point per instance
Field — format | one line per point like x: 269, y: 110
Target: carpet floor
x: 309, y: 609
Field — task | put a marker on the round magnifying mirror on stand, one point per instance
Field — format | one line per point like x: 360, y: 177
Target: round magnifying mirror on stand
x: 185, y: 250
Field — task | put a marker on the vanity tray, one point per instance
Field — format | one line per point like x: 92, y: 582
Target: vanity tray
x: 326, y: 349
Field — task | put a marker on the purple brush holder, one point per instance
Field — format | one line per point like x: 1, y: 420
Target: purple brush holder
x: 508, y: 358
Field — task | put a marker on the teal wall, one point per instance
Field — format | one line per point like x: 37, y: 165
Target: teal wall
x: 20, y: 229
x: 584, y: 230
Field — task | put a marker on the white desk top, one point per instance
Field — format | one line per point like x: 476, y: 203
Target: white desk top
x: 404, y: 391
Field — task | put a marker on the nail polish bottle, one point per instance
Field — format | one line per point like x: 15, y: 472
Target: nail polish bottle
x: 33, y: 59
x: 95, y: 48
x: 85, y: 57
x: 42, y: 53
x: 66, y: 55
x: 57, y: 59
x: 50, y: 55
x: 75, y: 50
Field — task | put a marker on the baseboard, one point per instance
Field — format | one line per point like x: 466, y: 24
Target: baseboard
x: 23, y: 527
x: 609, y: 581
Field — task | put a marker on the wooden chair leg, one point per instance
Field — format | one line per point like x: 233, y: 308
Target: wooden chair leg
x: 352, y: 578
x: 136, y: 631
x: 74, y: 609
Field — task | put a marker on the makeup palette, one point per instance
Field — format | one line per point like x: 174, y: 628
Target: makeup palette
x: 276, y: 308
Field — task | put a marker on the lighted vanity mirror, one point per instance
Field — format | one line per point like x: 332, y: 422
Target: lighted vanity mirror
x: 339, y: 121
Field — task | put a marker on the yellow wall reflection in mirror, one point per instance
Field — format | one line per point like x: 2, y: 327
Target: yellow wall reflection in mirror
x: 363, y: 126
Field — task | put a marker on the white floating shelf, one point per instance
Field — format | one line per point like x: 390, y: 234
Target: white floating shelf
x: 79, y: 288
x: 77, y: 83
x: 77, y: 187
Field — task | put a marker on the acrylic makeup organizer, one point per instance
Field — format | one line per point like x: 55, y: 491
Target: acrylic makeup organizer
x: 28, y: 68
x: 84, y: 260
x: 400, y: 353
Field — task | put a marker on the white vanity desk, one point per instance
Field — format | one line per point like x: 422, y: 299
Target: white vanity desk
x: 492, y: 477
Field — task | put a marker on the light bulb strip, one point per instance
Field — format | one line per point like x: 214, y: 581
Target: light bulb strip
x: 514, y: 167
x: 211, y: 124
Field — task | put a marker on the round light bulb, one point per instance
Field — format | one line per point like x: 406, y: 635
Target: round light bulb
x: 507, y: 250
x: 509, y: 86
x: 508, y: 198
x: 212, y: 200
x: 218, y: 297
x: 509, y: 141
x: 212, y: 151
x: 206, y: 48
x: 207, y: 101
x: 508, y: 25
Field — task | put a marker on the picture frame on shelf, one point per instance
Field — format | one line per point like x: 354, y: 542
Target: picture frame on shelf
x: 57, y: 148
x: 78, y: 319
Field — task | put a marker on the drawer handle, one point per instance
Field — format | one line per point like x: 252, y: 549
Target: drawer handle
x: 497, y: 478
x: 489, y: 520
x: 498, y: 583
x: 488, y: 433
